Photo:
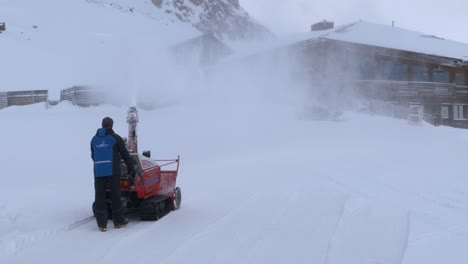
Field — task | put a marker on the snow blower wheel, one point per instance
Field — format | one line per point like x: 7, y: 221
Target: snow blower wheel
x: 177, y: 198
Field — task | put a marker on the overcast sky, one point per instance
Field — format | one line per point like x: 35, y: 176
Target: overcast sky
x: 447, y: 19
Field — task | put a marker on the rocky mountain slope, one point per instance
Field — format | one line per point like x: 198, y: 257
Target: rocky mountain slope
x: 226, y: 19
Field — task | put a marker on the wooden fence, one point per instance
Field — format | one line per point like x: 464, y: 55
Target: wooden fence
x: 3, y: 100
x: 77, y: 95
x: 399, y: 112
x: 22, y: 97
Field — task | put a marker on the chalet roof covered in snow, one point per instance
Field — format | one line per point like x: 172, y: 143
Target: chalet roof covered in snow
x: 366, y: 33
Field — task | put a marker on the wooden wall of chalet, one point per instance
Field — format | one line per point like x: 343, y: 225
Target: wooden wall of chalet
x: 456, y: 123
x: 364, y: 69
x: 428, y: 94
x: 404, y: 92
x: 329, y: 59
x: 81, y: 96
x: 205, y: 49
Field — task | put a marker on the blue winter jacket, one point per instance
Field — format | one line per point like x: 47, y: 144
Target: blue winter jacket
x: 107, y: 150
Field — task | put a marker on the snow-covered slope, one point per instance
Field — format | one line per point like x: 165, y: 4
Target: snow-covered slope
x: 54, y: 45
x: 80, y: 43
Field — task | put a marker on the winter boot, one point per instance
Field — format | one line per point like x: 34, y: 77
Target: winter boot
x: 124, y: 223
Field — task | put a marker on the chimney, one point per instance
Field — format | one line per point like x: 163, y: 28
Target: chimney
x: 323, y: 25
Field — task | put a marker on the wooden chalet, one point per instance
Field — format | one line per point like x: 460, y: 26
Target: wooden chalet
x: 83, y: 96
x: 389, y: 64
x: 205, y: 49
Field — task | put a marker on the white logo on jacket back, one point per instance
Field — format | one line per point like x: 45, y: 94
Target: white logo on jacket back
x: 102, y: 145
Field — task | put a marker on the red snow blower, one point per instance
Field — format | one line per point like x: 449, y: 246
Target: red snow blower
x: 152, y: 191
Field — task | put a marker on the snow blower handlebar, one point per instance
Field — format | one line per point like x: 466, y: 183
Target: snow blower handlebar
x: 169, y: 162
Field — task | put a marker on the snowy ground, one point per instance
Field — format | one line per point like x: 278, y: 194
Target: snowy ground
x: 260, y: 183
x: 258, y: 187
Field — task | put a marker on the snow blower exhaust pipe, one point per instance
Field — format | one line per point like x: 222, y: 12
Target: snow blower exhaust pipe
x: 132, y: 120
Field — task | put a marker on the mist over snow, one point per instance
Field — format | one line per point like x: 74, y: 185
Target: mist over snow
x: 261, y: 182
x: 55, y: 44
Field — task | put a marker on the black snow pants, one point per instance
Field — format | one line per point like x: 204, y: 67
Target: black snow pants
x: 100, y: 203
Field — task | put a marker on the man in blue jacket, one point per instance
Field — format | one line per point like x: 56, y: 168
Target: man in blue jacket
x: 107, y: 150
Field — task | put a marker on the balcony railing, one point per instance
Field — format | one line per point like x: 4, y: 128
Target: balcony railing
x: 400, y: 112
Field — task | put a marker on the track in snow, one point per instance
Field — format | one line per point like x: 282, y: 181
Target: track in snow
x: 370, y: 233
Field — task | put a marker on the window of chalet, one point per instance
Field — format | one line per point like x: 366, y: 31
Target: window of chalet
x: 441, y: 77
x: 332, y: 63
x: 363, y: 68
x: 458, y: 112
x: 367, y: 69
x: 420, y: 73
x: 351, y: 68
x: 394, y: 71
x: 460, y: 78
